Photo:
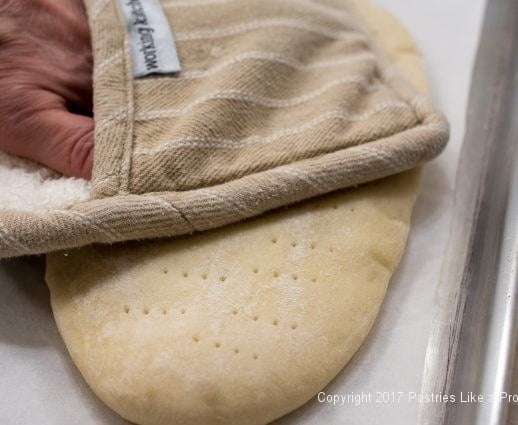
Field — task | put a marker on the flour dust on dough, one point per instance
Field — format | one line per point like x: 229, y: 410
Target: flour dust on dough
x: 240, y: 325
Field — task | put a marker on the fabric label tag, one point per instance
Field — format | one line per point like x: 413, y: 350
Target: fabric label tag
x: 152, y: 44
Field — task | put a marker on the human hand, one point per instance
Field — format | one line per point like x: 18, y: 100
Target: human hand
x: 46, y: 84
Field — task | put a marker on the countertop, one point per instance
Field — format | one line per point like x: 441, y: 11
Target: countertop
x: 39, y: 384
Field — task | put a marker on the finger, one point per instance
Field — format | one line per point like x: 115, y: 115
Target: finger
x: 60, y: 140
x: 70, y: 150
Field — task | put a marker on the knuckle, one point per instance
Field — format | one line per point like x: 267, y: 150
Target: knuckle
x: 81, y: 153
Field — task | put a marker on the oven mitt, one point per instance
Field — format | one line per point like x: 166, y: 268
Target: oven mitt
x: 276, y: 101
x: 239, y: 325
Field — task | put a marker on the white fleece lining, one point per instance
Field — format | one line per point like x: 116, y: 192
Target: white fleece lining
x: 31, y: 187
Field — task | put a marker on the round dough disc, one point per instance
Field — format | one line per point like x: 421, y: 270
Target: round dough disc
x: 242, y: 324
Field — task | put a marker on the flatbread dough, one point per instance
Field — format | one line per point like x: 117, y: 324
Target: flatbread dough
x: 243, y: 324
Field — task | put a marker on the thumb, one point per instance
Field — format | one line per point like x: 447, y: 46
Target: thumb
x: 61, y: 140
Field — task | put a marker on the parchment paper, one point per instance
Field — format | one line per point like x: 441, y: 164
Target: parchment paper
x: 40, y: 385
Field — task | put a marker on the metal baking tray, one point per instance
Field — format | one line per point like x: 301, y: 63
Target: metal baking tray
x: 471, y: 347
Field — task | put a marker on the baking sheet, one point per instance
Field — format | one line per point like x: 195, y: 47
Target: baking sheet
x: 474, y: 327
x: 40, y: 385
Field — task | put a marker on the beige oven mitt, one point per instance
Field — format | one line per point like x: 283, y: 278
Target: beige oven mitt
x: 240, y: 325
x: 277, y: 101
